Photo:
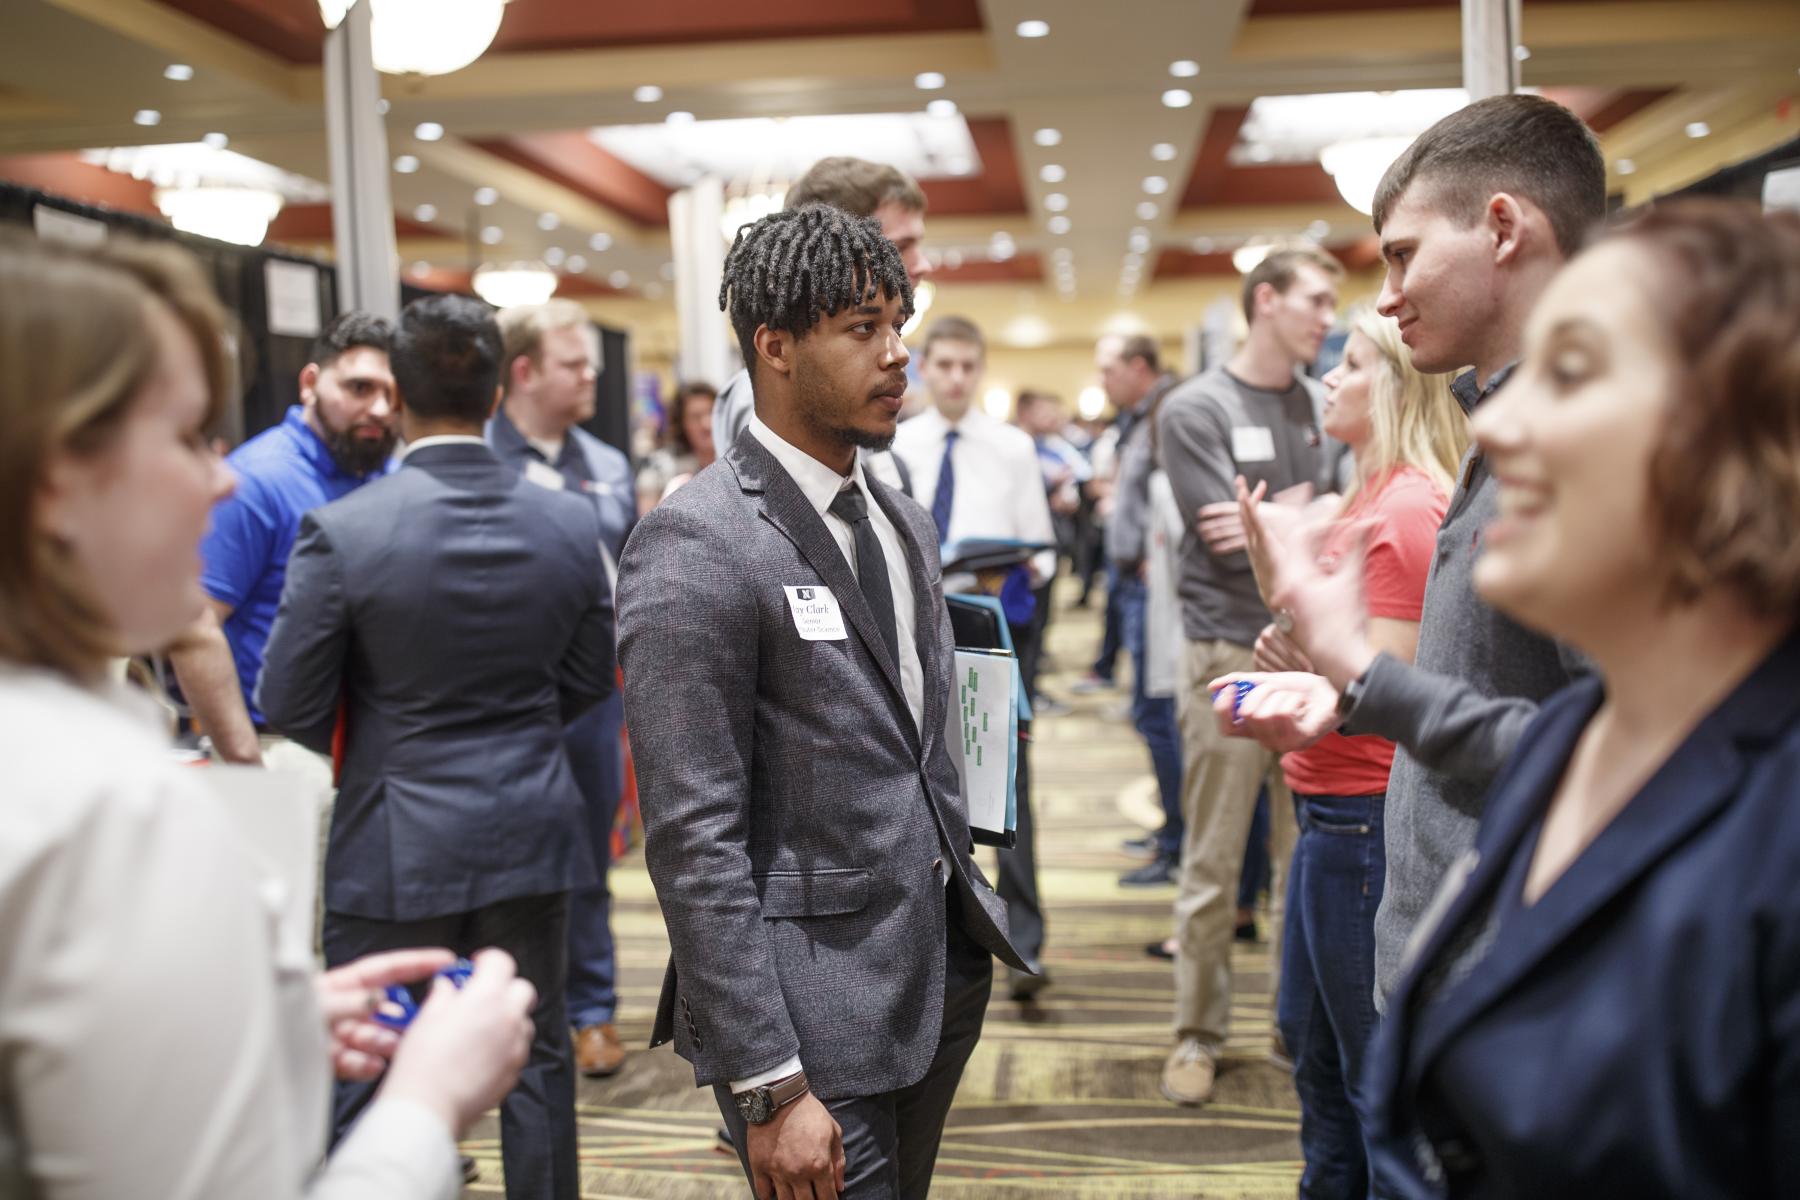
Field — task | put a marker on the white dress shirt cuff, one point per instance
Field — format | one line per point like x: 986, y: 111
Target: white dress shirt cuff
x: 790, y: 1067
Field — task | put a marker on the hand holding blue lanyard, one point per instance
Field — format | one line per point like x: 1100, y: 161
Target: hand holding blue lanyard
x: 399, y: 1009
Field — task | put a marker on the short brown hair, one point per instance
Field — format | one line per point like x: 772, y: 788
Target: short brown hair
x: 1725, y: 473
x: 952, y: 329
x: 76, y: 349
x: 1526, y: 145
x: 1279, y: 269
x: 857, y: 186
x: 523, y: 326
x: 1142, y: 345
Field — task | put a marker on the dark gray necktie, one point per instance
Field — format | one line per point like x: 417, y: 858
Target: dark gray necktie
x: 852, y: 508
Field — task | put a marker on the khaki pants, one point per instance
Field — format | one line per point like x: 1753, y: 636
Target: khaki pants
x: 1220, y: 777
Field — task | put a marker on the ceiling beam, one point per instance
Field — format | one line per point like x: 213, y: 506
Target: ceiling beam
x: 190, y: 40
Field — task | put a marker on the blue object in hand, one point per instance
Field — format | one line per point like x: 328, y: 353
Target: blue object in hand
x: 1239, y: 689
x: 400, y: 1008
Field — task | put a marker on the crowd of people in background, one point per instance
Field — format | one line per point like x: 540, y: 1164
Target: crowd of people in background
x: 1490, y: 674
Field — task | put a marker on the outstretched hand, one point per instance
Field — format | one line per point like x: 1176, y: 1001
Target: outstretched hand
x: 361, y: 1048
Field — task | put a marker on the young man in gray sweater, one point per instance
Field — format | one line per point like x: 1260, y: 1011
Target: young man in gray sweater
x: 1256, y: 416
x: 1475, y: 218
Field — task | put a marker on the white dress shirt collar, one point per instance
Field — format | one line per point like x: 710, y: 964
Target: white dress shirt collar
x: 817, y: 482
x: 441, y: 439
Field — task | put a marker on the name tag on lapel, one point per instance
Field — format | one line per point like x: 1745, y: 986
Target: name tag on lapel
x: 817, y: 617
x: 1252, y: 443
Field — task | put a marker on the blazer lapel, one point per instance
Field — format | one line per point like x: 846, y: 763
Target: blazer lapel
x: 1689, y: 790
x: 925, y: 616
x: 786, y: 508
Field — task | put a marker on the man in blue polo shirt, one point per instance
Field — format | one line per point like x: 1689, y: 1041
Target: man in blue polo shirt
x: 340, y: 436
x: 552, y: 358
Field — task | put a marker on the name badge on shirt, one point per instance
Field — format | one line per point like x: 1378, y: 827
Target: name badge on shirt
x: 1252, y: 443
x: 544, y: 475
x: 817, y: 617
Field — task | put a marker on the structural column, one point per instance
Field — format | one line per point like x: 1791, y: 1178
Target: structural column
x: 1490, y: 44
x: 695, y: 217
x: 362, y: 203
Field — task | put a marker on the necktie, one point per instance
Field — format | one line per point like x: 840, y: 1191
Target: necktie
x: 945, y: 495
x: 852, y: 509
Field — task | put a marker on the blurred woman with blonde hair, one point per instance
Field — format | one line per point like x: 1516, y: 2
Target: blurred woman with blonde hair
x: 1407, y: 434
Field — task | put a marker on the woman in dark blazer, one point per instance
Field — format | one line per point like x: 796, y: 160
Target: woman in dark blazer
x: 1605, y: 998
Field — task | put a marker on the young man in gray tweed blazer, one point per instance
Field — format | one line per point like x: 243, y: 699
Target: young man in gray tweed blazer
x: 787, y: 658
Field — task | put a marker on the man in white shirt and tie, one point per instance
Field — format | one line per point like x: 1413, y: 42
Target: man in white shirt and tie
x: 980, y: 478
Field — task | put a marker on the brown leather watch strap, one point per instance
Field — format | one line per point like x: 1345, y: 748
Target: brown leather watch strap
x: 786, y: 1091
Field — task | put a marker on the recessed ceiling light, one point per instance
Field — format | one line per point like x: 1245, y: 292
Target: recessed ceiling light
x: 959, y: 166
x: 485, y: 196
x: 575, y: 264
x: 428, y: 131
x: 1203, y: 245
x: 647, y: 93
x: 548, y: 221
x: 491, y: 235
x: 1139, y: 243
x: 1064, y: 254
x: 619, y: 279
x: 941, y: 107
x: 421, y: 268
x: 928, y: 81
x: 1521, y: 53
x: 406, y: 164
x: 1318, y: 231
x: 953, y: 259
x: 1184, y: 68
x: 1156, y: 185
x: 1697, y: 129
x: 1147, y: 211
x: 1164, y: 152
x: 1047, y: 137
x: 553, y: 256
x: 1177, y: 98
x: 1032, y: 29
x: 382, y: 106
x: 146, y: 116
x: 425, y: 213
x: 1058, y: 225
x: 1052, y: 173
x: 1056, y: 202
x: 600, y: 242
x: 178, y: 72
x: 216, y: 140
x: 680, y: 117
x: 1625, y: 167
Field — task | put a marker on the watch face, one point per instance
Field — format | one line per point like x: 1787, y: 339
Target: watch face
x: 755, y: 1105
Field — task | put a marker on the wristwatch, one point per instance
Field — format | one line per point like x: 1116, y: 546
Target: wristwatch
x: 760, y: 1104
x: 1352, y: 693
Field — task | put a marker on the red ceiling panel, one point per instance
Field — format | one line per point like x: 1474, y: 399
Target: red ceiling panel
x: 312, y: 223
x: 571, y: 158
x: 997, y: 189
x: 291, y: 29
x: 66, y: 175
x: 1020, y: 268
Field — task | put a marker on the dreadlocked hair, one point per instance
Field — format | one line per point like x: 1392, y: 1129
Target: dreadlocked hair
x: 790, y: 268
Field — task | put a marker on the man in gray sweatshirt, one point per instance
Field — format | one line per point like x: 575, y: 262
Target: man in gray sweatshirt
x: 1255, y: 416
x: 1475, y: 218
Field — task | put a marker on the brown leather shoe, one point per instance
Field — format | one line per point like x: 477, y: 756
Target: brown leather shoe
x: 598, y: 1051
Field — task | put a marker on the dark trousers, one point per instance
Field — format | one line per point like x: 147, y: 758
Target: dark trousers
x: 1326, y: 1008
x: 891, y: 1140
x: 597, y: 760
x: 537, y: 1118
x: 1112, y: 636
x: 1018, y: 882
x: 1154, y: 716
x: 1253, y: 878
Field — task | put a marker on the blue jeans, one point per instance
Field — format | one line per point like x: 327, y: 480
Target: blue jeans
x: 597, y: 760
x: 1154, y: 716
x: 1326, y: 1009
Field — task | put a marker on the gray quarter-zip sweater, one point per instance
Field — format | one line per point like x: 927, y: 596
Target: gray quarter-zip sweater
x: 1456, y: 712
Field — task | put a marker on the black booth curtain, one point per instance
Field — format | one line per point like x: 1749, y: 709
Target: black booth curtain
x: 270, y: 363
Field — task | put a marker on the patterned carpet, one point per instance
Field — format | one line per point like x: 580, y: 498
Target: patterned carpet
x: 1060, y: 1098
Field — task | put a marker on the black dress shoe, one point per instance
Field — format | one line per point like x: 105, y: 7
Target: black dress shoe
x: 1143, y: 847
x: 471, y: 1170
x: 1245, y: 932
x: 1158, y: 950
x: 1156, y: 871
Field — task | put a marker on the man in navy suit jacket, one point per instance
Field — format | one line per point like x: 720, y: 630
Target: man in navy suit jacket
x: 462, y: 617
